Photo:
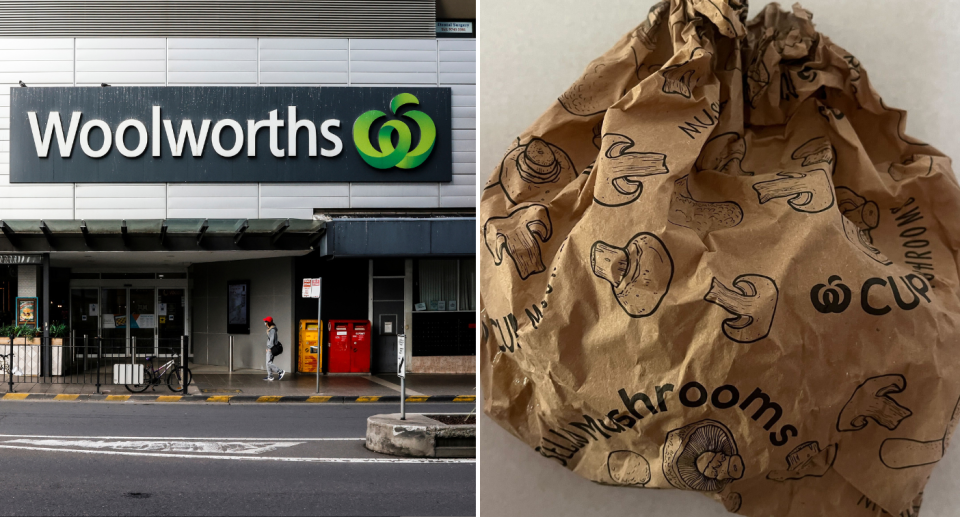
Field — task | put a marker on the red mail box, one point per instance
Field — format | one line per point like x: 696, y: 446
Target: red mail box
x: 349, y: 346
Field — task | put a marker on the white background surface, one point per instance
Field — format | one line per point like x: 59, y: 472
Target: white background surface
x: 530, y: 51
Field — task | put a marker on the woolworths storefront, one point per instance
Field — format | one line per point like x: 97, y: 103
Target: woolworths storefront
x: 168, y: 176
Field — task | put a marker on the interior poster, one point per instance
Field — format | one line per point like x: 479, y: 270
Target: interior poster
x: 27, y: 311
x: 238, y: 305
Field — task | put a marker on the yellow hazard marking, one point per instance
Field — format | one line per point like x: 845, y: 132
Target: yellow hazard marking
x: 64, y: 396
x: 319, y: 398
x: 119, y: 398
x: 168, y: 398
x: 269, y: 398
x: 417, y: 399
x: 367, y: 399
x: 465, y: 398
x: 219, y: 398
x: 15, y: 396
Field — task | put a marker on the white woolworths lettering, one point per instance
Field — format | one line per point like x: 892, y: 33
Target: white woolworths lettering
x: 141, y: 145
x: 215, y: 138
x: 176, y: 140
x: 53, y: 124
x: 85, y: 138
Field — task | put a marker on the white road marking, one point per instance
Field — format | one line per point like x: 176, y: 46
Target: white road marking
x: 261, y: 439
x: 165, y: 446
x: 250, y: 458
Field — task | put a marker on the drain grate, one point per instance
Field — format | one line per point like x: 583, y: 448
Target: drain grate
x: 137, y: 495
x: 219, y: 390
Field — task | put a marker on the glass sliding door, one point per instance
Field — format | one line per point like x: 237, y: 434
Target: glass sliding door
x: 114, y: 314
x: 171, y: 319
x: 142, y: 320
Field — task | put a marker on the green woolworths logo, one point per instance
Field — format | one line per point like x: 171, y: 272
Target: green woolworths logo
x: 400, y: 156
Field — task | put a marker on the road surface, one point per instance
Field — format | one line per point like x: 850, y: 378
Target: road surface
x: 63, y: 458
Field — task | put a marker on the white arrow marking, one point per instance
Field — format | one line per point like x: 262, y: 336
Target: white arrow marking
x: 165, y: 446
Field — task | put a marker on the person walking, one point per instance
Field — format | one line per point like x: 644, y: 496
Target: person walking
x: 271, y: 342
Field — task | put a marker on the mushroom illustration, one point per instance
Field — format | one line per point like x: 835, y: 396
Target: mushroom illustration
x: 872, y: 400
x: 530, y: 172
x: 639, y: 273
x: 628, y: 468
x: 918, y: 165
x: 620, y: 170
x: 859, y: 217
x: 902, y: 453
x: 865, y: 214
x: 724, y: 153
x: 758, y: 77
x: 677, y: 80
x: 519, y: 235
x: 596, y: 134
x: 814, y: 151
x: 701, y: 456
x: 753, y: 302
x: 806, y: 460
x: 862, y: 241
x: 808, y: 192
x: 732, y: 502
x: 647, y: 31
x: 702, y: 217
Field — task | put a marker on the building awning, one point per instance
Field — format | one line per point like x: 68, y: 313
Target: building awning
x: 159, y: 235
x: 399, y: 237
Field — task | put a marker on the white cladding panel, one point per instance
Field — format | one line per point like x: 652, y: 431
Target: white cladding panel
x: 212, y: 61
x: 42, y: 62
x: 121, y: 61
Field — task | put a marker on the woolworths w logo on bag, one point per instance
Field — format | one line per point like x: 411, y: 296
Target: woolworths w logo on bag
x: 401, y: 155
x: 230, y: 134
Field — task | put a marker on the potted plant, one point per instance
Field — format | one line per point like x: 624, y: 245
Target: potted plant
x: 58, y: 331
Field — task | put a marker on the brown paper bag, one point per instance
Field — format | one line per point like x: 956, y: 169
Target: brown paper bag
x: 718, y: 264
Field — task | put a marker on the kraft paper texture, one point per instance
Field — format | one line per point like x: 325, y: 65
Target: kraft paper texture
x: 718, y: 264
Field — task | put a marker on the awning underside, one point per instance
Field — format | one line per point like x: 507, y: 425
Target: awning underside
x: 27, y: 235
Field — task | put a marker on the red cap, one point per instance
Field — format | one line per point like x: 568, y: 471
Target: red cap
x: 268, y: 319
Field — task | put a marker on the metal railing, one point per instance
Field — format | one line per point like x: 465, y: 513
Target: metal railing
x: 82, y: 359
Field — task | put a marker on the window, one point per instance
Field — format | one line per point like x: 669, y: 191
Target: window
x: 445, y: 285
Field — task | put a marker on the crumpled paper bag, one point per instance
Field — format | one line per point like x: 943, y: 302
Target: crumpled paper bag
x: 718, y: 264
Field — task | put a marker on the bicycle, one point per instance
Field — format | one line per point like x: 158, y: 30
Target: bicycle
x: 5, y: 366
x: 177, y: 377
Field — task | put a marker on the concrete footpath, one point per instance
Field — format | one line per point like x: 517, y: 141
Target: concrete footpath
x: 249, y: 387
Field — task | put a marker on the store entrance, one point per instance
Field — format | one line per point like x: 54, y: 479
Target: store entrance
x: 148, y: 321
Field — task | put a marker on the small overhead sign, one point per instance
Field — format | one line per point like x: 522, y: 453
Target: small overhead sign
x: 401, y: 355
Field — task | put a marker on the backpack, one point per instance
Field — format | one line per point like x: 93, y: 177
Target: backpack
x: 277, y: 349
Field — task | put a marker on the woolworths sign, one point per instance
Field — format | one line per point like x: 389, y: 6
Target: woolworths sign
x: 229, y: 134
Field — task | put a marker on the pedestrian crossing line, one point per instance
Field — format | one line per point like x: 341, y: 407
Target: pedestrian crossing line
x: 15, y: 396
x: 219, y: 398
x: 465, y: 398
x: 169, y: 398
x: 118, y: 398
x: 269, y: 398
x: 367, y: 399
x: 319, y: 398
x: 65, y: 396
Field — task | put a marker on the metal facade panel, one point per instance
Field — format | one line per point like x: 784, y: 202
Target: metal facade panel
x: 400, y: 237
x: 304, y: 61
x: 310, y: 18
x: 212, y: 61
